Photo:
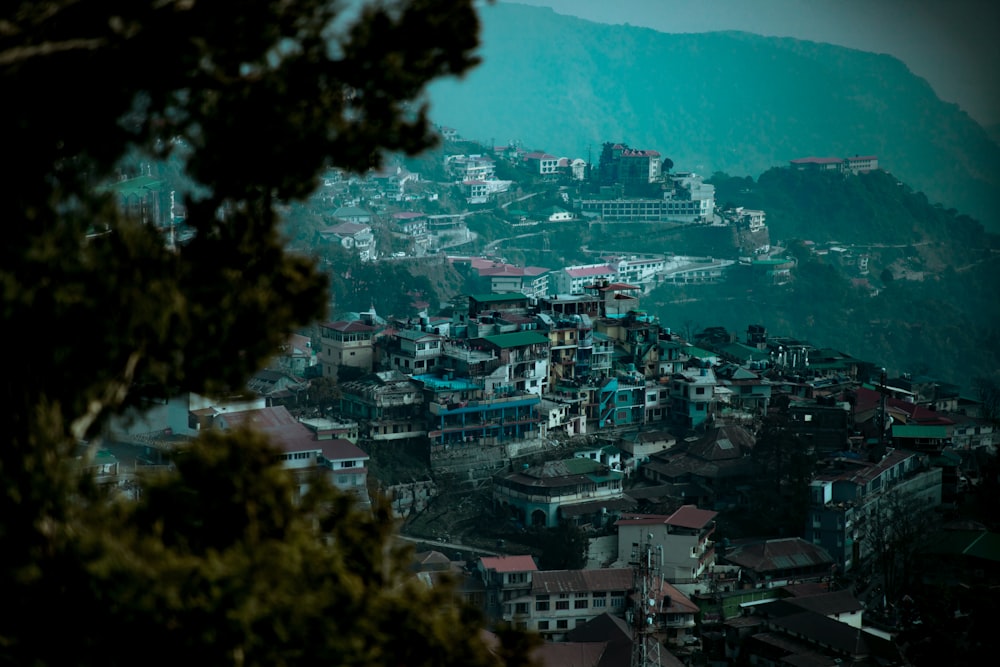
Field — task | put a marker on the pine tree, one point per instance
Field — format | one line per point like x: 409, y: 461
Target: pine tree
x: 247, y: 102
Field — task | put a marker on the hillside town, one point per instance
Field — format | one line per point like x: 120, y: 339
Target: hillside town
x: 740, y: 497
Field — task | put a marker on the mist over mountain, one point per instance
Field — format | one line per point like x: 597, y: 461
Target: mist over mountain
x: 729, y: 101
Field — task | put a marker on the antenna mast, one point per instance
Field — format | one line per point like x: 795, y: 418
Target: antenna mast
x: 645, y: 642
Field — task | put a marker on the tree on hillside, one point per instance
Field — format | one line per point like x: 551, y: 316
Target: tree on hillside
x: 214, y: 563
x: 783, y: 467
x: 563, y: 548
x: 896, y: 529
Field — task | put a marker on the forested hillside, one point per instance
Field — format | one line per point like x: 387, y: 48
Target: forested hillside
x: 731, y: 102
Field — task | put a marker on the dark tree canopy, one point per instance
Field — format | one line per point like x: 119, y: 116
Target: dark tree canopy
x: 251, y: 99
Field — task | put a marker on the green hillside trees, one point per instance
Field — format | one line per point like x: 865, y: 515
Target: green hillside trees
x: 214, y: 564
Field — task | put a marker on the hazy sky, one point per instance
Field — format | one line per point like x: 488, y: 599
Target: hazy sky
x: 953, y: 44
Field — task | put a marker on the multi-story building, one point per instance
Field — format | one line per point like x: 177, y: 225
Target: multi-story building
x: 848, y: 491
x: 716, y: 466
x: 638, y: 167
x: 524, y: 362
x: 463, y: 414
x: 635, y: 333
x: 621, y: 401
x: 691, y: 200
x: 504, y: 579
x: 479, y: 191
x: 574, y: 279
x: 410, y: 223
x: 746, y: 392
x: 353, y: 236
x: 344, y: 343
x: 560, y: 600
x: 641, y: 271
x: 854, y: 165
x: 683, y: 538
x: 542, y: 164
x: 388, y: 405
x: 470, y: 167
x: 339, y: 460
x: 412, y: 351
x: 692, y: 397
x: 632, y: 209
x: 535, y: 496
x: 531, y: 281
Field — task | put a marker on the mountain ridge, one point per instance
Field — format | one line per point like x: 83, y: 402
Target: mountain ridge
x: 727, y: 101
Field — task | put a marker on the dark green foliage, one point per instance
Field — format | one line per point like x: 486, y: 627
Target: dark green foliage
x: 244, y: 105
x: 783, y: 468
x: 725, y: 101
x: 389, y: 287
x: 563, y: 548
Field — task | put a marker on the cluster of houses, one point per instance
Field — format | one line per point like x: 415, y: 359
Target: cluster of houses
x: 571, y: 404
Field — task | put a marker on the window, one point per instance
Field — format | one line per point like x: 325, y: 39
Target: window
x: 617, y: 598
x: 581, y: 604
x: 600, y: 602
x: 543, y: 625
x: 521, y: 608
x: 542, y: 606
x: 699, y: 390
x: 563, y: 624
x: 562, y: 604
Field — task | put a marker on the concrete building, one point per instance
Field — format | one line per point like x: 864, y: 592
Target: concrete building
x: 536, y: 495
x: 683, y: 538
x: 344, y: 343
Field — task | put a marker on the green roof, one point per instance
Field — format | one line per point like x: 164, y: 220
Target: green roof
x: 699, y: 353
x: 581, y: 466
x: 139, y: 185
x: 977, y: 543
x: 517, y: 339
x: 741, y: 351
x: 488, y: 298
x: 908, y: 431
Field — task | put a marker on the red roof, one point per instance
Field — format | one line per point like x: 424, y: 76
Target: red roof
x: 509, y: 563
x: 869, y: 399
x: 689, y: 516
x: 613, y: 286
x: 817, y: 160
x: 642, y: 520
x: 339, y: 449
x: 346, y: 229
x: 348, y: 327
x: 590, y: 271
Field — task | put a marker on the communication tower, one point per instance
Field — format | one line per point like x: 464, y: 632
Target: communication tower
x: 647, y: 561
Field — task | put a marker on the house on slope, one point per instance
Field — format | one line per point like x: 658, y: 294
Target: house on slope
x: 343, y: 464
x: 541, y: 495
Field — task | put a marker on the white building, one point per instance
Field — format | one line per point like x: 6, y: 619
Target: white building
x: 572, y: 279
x: 692, y: 200
x: 470, y: 167
x: 541, y: 163
x: 683, y: 539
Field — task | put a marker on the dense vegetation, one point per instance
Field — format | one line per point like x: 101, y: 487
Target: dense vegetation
x: 216, y: 562
x: 730, y: 102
